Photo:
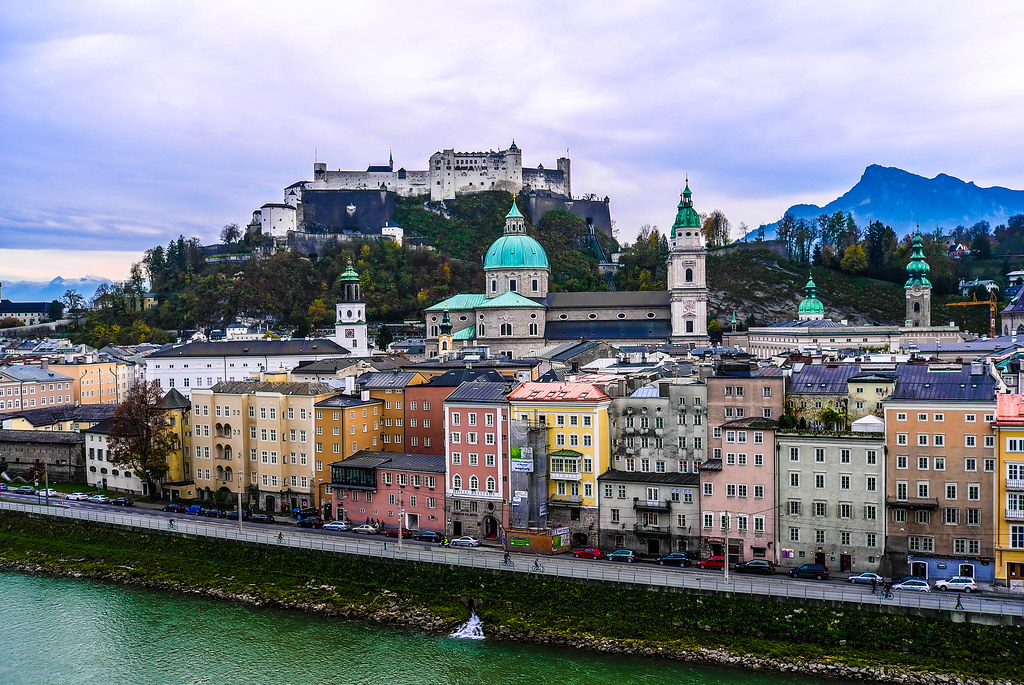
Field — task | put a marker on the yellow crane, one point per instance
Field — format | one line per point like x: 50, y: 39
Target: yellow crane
x: 991, y: 303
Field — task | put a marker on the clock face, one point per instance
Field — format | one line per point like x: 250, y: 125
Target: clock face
x: 916, y: 289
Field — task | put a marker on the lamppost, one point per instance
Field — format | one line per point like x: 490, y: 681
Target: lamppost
x: 241, y: 485
x: 401, y: 514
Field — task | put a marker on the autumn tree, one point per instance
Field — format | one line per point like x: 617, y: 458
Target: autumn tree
x: 139, y: 436
x: 854, y: 260
x: 231, y: 233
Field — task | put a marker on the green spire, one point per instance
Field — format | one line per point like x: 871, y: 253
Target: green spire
x: 686, y: 216
x: 514, y: 213
x: 918, y: 269
x: 446, y: 323
x: 349, y: 274
x: 391, y: 160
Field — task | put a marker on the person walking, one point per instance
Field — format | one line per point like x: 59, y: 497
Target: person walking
x: 959, y: 604
x: 874, y: 586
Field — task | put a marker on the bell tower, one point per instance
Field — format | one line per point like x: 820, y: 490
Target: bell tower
x: 350, y: 315
x: 918, y: 287
x: 687, y: 285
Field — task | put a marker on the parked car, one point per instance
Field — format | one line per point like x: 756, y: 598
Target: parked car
x: 305, y: 513
x: 762, y: 566
x: 903, y: 579
x: 3, y: 486
x: 393, y: 533
x: 679, y: 559
x: 99, y: 499
x: 214, y: 512
x: 913, y: 585
x: 465, y: 541
x: 428, y: 536
x: 174, y: 508
x: 337, y: 525
x: 26, y: 490
x: 957, y: 584
x: 867, y: 579
x: 310, y: 522
x: 123, y: 502
x: 233, y: 514
x: 195, y: 509
x: 810, y: 571
x: 365, y: 529
x: 712, y: 563
x: 626, y: 555
x: 262, y: 518
x: 588, y: 553
x: 48, y: 492
x: 76, y: 496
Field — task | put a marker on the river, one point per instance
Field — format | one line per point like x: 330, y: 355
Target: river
x: 58, y: 631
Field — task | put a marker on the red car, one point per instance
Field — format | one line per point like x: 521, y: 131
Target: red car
x: 588, y: 553
x: 712, y: 563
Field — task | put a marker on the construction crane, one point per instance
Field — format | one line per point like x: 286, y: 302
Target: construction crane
x: 991, y: 303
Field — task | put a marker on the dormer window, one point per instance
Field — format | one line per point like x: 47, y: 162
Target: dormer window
x: 512, y: 287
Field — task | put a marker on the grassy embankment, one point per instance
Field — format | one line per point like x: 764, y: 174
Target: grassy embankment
x: 548, y: 608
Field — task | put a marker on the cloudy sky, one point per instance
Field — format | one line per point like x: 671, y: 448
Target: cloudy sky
x: 124, y: 124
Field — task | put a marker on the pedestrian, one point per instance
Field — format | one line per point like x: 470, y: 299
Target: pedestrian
x: 959, y: 604
x: 874, y: 585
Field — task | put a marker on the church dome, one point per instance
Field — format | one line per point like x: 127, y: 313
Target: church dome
x: 811, y: 307
x: 515, y: 250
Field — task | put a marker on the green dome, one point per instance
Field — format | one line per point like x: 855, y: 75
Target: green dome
x: 811, y: 304
x: 686, y: 215
x: 918, y: 269
x: 516, y: 250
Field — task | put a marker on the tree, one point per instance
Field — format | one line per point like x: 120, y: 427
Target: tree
x: 981, y: 248
x: 231, y: 233
x: 384, y: 338
x: 139, y: 438
x: 10, y: 322
x: 55, y: 310
x: 854, y: 260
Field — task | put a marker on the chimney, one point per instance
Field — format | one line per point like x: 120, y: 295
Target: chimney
x: 977, y: 368
x: 364, y: 395
x: 44, y: 363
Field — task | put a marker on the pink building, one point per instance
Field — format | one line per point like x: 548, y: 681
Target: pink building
x: 477, y: 450
x: 389, y: 487
x: 31, y: 387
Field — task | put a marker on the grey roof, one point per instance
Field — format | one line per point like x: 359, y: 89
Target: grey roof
x: 810, y: 323
x: 456, y: 377
x: 609, y: 300
x: 400, y: 461
x: 253, y: 348
x: 101, y: 428
x: 751, y: 422
x: 345, y: 401
x: 553, y: 376
x: 175, y: 400
x: 246, y: 387
x: 338, y: 363
x: 480, y: 391
x: 822, y: 379
x: 943, y: 382
x: 565, y: 351
x: 46, y: 416
x: 615, y: 329
x: 669, y: 478
x: 48, y: 437
x: 711, y: 465
x: 385, y: 379
x: 646, y: 391
x: 30, y: 373
x: 8, y: 307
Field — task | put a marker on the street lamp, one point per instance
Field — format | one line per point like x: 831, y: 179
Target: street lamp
x: 241, y: 484
x: 401, y: 515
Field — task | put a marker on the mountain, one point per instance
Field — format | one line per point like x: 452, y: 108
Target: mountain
x: 43, y: 291
x: 904, y: 200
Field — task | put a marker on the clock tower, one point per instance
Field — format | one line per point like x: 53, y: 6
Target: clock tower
x: 350, y: 312
x: 918, y: 287
x: 687, y: 286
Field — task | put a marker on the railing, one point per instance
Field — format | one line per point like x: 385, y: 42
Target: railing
x: 661, y: 505
x: 564, y: 475
x: 1015, y: 483
x: 630, y: 574
x: 1014, y: 515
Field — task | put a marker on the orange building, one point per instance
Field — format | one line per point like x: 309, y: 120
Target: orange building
x: 389, y: 388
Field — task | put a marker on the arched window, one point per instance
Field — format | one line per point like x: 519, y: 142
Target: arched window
x: 490, y: 483
x: 474, y: 482
x: 689, y: 275
x: 434, y: 331
x: 917, y: 307
x: 456, y: 482
x: 480, y: 330
x: 444, y: 345
x: 506, y: 329
x: 533, y: 329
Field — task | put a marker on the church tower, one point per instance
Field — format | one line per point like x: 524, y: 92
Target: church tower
x: 445, y: 342
x: 918, y: 287
x: 811, y: 309
x: 350, y: 312
x: 687, y: 285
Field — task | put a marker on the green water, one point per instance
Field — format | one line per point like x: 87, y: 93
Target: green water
x: 61, y: 631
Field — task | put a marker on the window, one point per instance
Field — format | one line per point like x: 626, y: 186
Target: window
x: 844, y: 456
x: 871, y: 483
x: 901, y: 461
x: 709, y: 489
x: 922, y: 439
x: 923, y: 518
x: 871, y: 457
x: 870, y: 512
x: 819, y: 455
x: 901, y: 438
x: 922, y: 489
x: 819, y: 481
x: 921, y: 543
x: 922, y: 463
x: 951, y: 516
x: 794, y: 479
x: 970, y: 440
x: 758, y: 492
x: 939, y: 463
x: 794, y: 507
x: 970, y: 464
x: 794, y: 535
x: 794, y: 454
x: 821, y: 509
x: 870, y: 540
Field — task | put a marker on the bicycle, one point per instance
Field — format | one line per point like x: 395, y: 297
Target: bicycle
x: 280, y: 538
x: 507, y: 562
x: 170, y: 525
x: 885, y: 593
x: 537, y: 568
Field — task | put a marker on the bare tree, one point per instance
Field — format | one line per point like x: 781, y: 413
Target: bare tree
x: 139, y: 437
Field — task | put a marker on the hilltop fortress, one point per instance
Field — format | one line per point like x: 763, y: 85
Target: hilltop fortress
x: 354, y: 203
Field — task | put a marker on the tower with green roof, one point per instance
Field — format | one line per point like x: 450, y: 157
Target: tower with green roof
x: 918, y: 288
x: 811, y: 309
x: 687, y: 285
x: 350, y: 314
x: 515, y: 262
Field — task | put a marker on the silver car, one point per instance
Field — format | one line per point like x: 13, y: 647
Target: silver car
x: 336, y: 525
x: 465, y: 541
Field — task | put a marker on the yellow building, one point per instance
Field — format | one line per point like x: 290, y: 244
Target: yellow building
x: 344, y: 425
x: 96, y: 382
x: 389, y: 388
x: 258, y: 436
x: 569, y: 422
x: 178, y: 483
x: 1009, y: 509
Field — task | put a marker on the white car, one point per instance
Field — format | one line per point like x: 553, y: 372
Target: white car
x: 465, y: 541
x: 957, y: 584
x: 337, y: 525
x: 48, y: 493
x: 867, y: 578
x: 913, y: 586
x: 77, y: 496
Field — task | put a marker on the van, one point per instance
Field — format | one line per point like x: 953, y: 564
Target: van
x: 810, y: 571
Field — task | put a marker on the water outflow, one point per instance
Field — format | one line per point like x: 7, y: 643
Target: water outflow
x: 473, y: 629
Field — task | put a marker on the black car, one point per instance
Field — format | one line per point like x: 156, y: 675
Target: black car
x: 428, y: 536
x: 761, y: 566
x: 310, y: 522
x: 233, y: 514
x: 810, y: 571
x: 216, y: 513
x: 174, y: 508
x: 123, y: 502
x: 305, y: 513
x: 674, y: 559
x: 262, y: 518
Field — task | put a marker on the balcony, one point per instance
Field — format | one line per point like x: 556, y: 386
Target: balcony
x: 1015, y: 483
x: 564, y: 499
x: 659, y: 505
x: 652, y: 531
x: 564, y: 475
x: 1014, y: 515
x: 913, y: 503
x: 475, y: 494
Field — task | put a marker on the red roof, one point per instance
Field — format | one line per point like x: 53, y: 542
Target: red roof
x: 557, y: 392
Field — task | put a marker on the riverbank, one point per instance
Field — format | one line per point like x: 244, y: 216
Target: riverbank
x: 770, y: 636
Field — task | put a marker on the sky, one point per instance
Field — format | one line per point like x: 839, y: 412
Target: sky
x: 125, y: 124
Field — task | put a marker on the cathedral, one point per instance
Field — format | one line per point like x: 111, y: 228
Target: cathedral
x: 516, y: 314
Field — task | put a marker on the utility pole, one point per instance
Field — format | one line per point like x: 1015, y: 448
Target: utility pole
x: 726, y: 564
x: 401, y: 514
x: 241, y: 485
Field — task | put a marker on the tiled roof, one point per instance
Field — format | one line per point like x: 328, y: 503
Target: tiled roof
x: 399, y: 461
x: 557, y: 392
x: 8, y: 307
x: 385, y: 379
x: 46, y: 416
x: 344, y: 402
x: 922, y: 382
x: 822, y: 379
x: 337, y: 364
x: 253, y: 348
x: 48, y: 437
x: 456, y: 377
x: 246, y: 387
x: 29, y: 373
x: 459, y: 302
x: 467, y: 333
x: 175, y: 400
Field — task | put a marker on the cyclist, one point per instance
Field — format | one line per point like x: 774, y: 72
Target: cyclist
x: 506, y: 559
x: 536, y: 564
x: 170, y: 524
x: 280, y: 537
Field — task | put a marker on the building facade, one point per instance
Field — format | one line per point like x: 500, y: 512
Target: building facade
x: 1009, y: 504
x: 391, y: 489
